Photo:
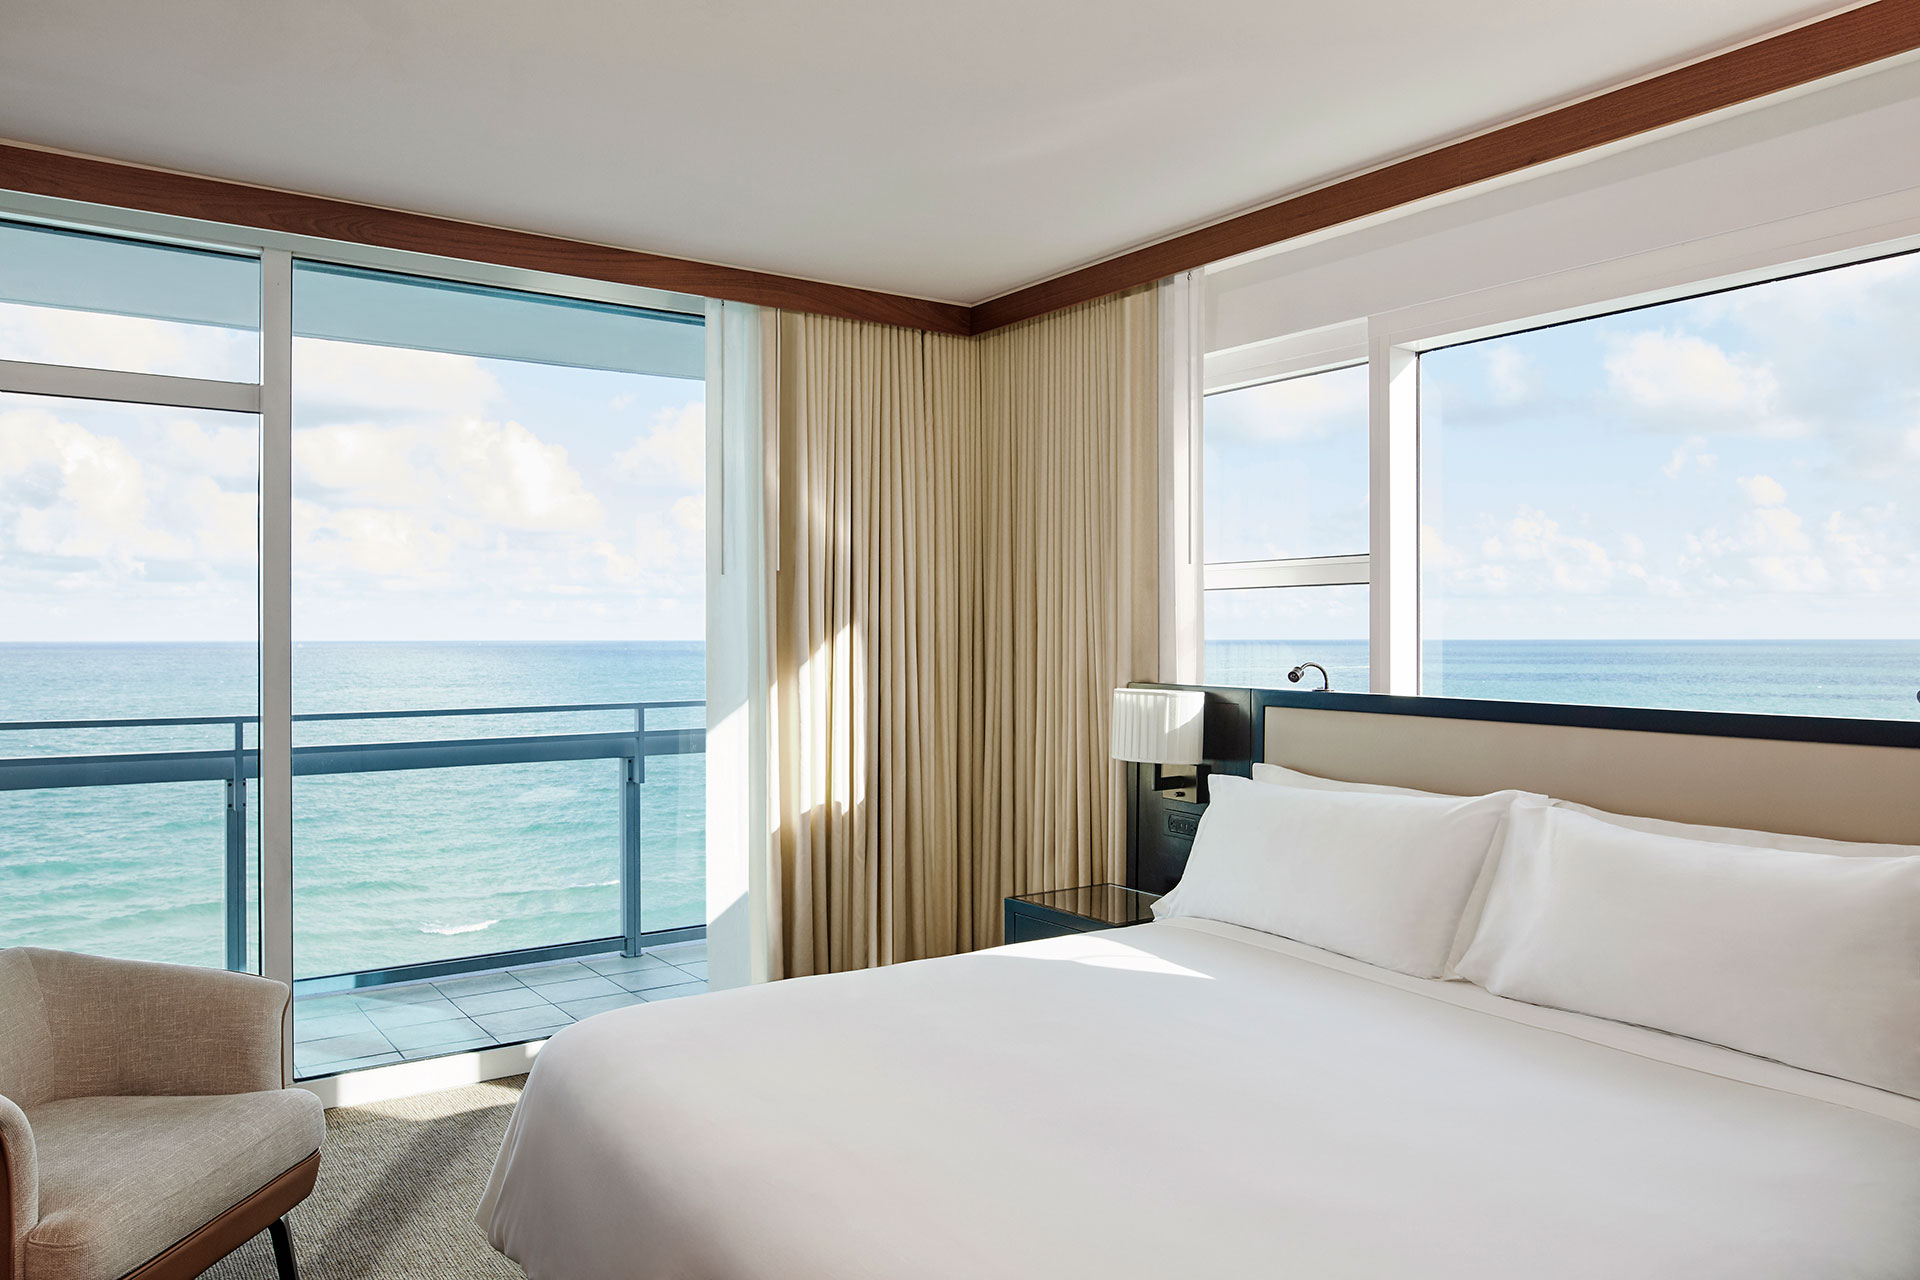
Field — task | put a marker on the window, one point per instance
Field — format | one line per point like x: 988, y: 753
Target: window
x: 1286, y: 474
x: 1705, y: 504
x: 129, y: 615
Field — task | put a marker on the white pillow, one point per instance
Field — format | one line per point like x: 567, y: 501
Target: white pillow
x: 1280, y: 775
x: 1381, y: 878
x: 1811, y: 959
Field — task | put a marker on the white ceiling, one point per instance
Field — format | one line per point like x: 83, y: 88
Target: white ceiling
x: 951, y: 149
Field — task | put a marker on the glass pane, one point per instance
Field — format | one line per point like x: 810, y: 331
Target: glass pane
x: 127, y: 593
x: 1286, y: 468
x: 1255, y: 636
x: 1703, y: 505
x: 103, y: 302
x: 353, y: 305
x: 499, y: 580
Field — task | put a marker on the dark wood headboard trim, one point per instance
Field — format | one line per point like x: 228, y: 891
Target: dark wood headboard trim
x: 1711, y: 724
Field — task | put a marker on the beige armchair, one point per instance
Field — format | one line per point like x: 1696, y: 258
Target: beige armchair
x: 144, y: 1131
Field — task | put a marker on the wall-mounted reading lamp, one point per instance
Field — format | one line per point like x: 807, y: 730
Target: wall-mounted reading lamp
x: 1326, y: 681
x: 1163, y: 727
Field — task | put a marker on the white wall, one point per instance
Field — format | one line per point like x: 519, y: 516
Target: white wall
x: 1815, y: 172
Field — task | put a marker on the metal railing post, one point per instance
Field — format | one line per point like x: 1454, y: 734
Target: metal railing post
x: 634, y: 774
x: 237, y: 853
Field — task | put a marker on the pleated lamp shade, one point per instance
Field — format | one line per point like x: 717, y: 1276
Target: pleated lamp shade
x: 1158, y: 726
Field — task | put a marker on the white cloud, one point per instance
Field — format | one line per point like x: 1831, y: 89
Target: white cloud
x: 1308, y: 408
x: 363, y: 462
x: 1571, y: 563
x: 348, y: 382
x: 381, y: 543
x: 1682, y: 375
x: 50, y: 335
x: 229, y: 452
x: 1510, y: 374
x: 519, y: 481
x: 1763, y: 491
x: 674, y: 450
x: 87, y: 494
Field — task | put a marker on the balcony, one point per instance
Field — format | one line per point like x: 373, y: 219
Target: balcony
x: 417, y: 991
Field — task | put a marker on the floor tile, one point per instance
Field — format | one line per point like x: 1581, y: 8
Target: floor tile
x: 425, y: 1035
x: 600, y: 1004
x: 578, y: 989
x: 674, y: 992
x: 523, y: 1023
x: 413, y: 1013
x: 408, y: 994
x: 308, y: 1027
x: 481, y: 1041
x: 647, y: 979
x: 477, y: 984
x: 327, y: 1006
x: 607, y: 965
x: 697, y: 970
x: 550, y: 973
x: 350, y: 1064
x: 681, y: 952
x: 499, y: 1001
x: 340, y: 1048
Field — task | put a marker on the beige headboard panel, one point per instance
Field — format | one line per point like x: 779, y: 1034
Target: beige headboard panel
x: 1843, y: 791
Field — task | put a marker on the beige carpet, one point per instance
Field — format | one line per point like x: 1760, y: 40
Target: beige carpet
x: 398, y: 1185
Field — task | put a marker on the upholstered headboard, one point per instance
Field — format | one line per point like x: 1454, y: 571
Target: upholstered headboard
x: 1841, y: 779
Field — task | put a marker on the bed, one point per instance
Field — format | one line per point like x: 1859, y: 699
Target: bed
x: 1187, y: 1097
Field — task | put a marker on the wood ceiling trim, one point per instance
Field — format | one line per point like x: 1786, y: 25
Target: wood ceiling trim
x: 126, y: 186
x: 1843, y: 42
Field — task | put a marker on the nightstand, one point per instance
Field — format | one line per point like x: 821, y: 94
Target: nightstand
x: 1080, y: 910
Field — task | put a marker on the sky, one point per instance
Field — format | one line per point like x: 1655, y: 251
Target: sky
x: 1742, y: 465
x: 436, y: 497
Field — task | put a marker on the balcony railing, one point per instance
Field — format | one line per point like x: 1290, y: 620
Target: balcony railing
x: 239, y: 766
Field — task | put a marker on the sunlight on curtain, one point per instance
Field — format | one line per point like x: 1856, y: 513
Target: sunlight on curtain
x: 967, y: 568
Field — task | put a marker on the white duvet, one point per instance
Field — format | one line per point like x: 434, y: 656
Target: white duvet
x: 1183, y: 1099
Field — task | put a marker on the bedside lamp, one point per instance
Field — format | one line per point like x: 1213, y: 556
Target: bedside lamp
x: 1163, y: 727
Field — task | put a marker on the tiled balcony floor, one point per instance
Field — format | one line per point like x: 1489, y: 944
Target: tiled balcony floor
x: 375, y: 1026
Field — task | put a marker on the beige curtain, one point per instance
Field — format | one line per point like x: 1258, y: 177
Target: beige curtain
x: 965, y: 569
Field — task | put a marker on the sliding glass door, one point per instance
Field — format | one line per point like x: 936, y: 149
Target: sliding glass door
x: 352, y: 631
x: 498, y: 582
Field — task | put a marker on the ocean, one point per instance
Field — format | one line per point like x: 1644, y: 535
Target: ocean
x: 431, y: 864
x: 389, y: 868
x: 1865, y: 679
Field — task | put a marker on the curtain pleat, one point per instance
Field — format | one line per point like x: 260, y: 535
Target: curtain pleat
x: 965, y: 570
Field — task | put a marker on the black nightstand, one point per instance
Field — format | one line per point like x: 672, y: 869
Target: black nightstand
x: 1080, y: 910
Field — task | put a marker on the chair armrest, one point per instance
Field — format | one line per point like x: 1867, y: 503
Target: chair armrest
x: 19, y: 1189
x: 132, y: 1027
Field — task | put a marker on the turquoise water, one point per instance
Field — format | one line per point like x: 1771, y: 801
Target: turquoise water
x: 1867, y: 679
x: 396, y: 868
x: 389, y: 868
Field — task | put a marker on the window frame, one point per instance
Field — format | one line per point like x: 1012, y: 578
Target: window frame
x: 1301, y: 356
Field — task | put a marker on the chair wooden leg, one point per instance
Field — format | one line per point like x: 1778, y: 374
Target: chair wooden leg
x: 283, y: 1259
